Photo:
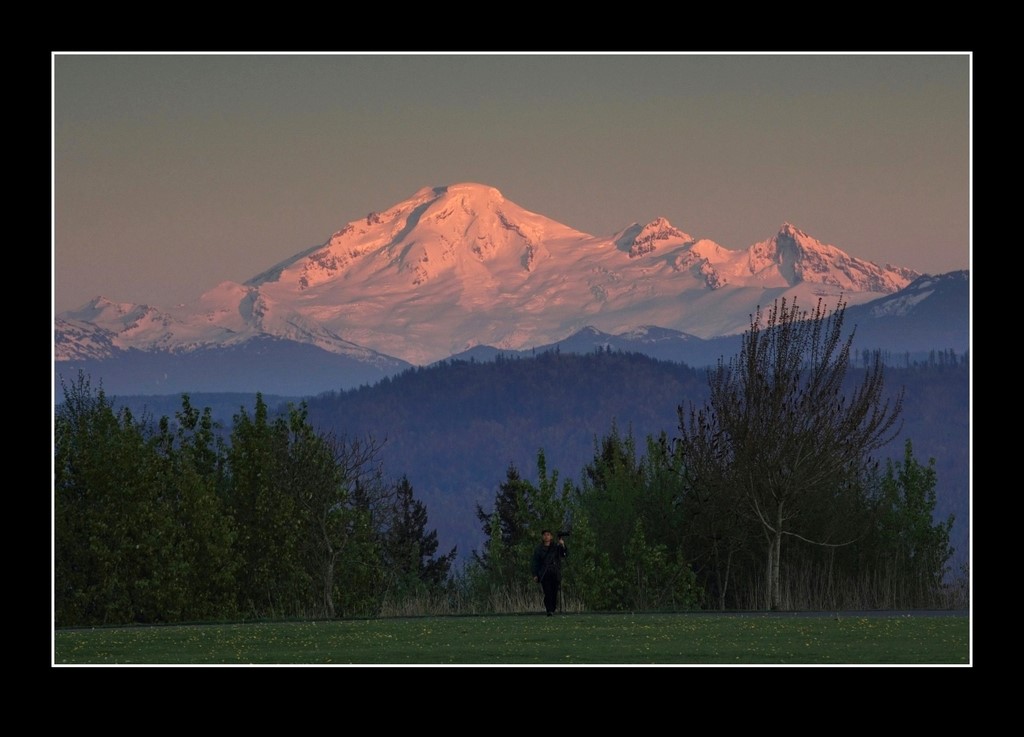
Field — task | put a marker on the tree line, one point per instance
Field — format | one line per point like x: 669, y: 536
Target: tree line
x: 168, y: 522
x: 455, y: 428
x: 768, y: 495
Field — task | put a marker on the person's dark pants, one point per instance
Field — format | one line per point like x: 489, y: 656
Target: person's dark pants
x: 550, y: 583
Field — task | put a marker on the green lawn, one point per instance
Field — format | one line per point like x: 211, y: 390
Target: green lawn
x: 575, y: 639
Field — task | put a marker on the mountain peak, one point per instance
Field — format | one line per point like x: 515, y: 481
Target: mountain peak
x: 788, y: 230
x: 474, y: 191
x: 484, y: 191
x: 101, y: 309
x: 799, y: 257
x: 468, y: 228
x: 645, y: 240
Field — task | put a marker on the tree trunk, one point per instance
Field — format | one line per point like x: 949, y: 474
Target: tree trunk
x: 774, y: 565
x: 329, y: 585
x: 723, y: 579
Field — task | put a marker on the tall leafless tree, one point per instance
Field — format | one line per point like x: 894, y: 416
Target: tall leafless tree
x: 781, y: 437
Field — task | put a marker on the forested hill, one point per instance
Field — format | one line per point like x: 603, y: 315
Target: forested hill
x: 455, y: 427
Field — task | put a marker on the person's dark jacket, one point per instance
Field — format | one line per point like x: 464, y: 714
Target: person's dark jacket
x: 547, y: 560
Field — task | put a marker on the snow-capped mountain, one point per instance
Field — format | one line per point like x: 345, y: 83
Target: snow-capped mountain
x: 930, y: 313
x: 74, y: 339
x: 458, y: 266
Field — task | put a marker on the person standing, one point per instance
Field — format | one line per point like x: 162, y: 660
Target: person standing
x: 547, y: 568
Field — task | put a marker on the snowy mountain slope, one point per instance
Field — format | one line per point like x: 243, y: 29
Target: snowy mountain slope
x: 459, y: 266
x: 264, y: 363
x: 931, y: 314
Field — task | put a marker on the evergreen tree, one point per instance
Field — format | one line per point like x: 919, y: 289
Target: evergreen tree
x: 512, y: 509
x: 409, y: 548
x: 513, y: 529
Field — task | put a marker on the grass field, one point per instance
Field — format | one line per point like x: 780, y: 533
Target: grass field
x: 574, y: 639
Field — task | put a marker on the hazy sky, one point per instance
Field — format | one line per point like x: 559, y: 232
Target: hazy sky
x: 173, y: 173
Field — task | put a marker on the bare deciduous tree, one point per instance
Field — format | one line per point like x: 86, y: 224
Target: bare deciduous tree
x: 781, y: 439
